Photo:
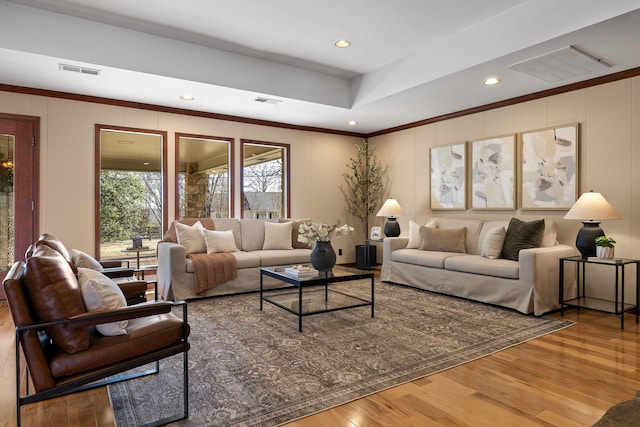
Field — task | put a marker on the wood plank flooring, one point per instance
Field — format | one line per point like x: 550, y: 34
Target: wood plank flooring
x: 568, y: 378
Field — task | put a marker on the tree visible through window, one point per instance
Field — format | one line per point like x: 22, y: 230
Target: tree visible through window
x: 265, y: 180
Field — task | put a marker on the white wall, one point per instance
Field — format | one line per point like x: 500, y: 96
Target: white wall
x: 318, y: 161
x: 609, y: 151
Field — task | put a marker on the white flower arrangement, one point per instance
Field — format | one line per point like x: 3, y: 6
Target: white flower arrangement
x: 310, y: 233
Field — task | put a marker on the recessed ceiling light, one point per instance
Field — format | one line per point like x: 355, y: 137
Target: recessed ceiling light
x: 187, y: 98
x: 342, y: 43
x: 492, y: 81
x: 352, y: 123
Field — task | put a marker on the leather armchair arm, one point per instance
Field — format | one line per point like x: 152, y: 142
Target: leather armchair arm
x: 98, y: 317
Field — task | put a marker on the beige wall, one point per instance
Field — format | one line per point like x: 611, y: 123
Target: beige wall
x: 67, y: 162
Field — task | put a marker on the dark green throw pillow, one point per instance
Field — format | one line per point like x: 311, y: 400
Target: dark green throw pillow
x: 522, y: 235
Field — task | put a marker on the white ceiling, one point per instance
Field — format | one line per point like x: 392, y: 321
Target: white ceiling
x: 409, y: 60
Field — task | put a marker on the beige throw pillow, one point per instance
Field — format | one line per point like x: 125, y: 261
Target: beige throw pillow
x: 443, y: 239
x: 100, y: 293
x: 277, y: 235
x: 84, y: 260
x: 415, y: 238
x: 492, y: 244
x: 191, y: 237
x: 220, y: 241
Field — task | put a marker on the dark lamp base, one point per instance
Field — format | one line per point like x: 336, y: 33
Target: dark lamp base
x: 392, y: 228
x: 586, y: 238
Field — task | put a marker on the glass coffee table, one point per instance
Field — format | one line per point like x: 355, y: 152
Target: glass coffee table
x: 318, y: 296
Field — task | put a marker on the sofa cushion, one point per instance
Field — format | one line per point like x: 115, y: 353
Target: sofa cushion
x: 191, y: 237
x: 444, y: 240
x: 277, y: 235
x: 550, y: 234
x: 55, y: 295
x: 473, y: 226
x: 218, y: 241
x: 522, y: 235
x: 100, y: 293
x: 252, y: 234
x: 476, y: 264
x: 432, y: 259
x: 283, y: 257
x: 246, y: 259
x: 84, y: 260
x: 493, y: 242
x: 415, y: 238
x: 170, y: 235
x: 233, y: 224
x: 295, y: 232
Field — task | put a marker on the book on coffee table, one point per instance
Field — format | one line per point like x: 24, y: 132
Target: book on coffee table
x: 301, y: 272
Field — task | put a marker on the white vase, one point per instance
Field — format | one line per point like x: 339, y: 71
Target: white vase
x: 604, y: 253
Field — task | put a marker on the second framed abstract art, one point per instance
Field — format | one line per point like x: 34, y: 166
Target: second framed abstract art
x: 493, y: 172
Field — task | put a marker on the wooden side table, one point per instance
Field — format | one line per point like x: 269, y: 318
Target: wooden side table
x: 618, y: 305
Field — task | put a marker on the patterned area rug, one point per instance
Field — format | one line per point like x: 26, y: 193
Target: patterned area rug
x: 253, y: 368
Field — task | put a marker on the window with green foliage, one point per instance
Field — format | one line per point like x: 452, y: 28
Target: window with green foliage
x: 129, y: 192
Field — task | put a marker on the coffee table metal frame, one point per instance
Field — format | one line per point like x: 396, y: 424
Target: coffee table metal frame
x: 340, y: 274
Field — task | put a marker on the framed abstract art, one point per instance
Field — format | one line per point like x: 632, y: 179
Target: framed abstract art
x: 448, y: 177
x: 549, y: 168
x: 493, y: 173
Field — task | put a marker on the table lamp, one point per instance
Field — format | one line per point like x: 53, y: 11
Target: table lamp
x: 391, y: 209
x: 590, y: 208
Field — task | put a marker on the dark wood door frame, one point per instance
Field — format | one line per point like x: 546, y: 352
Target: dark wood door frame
x: 26, y: 130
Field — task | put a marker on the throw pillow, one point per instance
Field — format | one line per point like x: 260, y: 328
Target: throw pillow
x: 493, y: 242
x: 415, y: 238
x: 295, y: 232
x: 100, y: 293
x: 219, y: 241
x: 191, y: 237
x: 84, y: 260
x: 277, y: 235
x: 522, y: 235
x: 171, y: 236
x: 443, y: 239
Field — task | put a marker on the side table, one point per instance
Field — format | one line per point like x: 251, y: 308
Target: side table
x: 618, y: 305
x: 137, y: 252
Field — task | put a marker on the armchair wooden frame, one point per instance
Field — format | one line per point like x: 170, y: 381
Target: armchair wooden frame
x: 102, y: 375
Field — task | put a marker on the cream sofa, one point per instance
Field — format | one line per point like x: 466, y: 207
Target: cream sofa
x: 529, y: 285
x: 176, y: 273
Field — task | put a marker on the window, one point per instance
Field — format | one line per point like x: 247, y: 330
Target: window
x: 204, y: 186
x: 265, y: 179
x: 130, y: 192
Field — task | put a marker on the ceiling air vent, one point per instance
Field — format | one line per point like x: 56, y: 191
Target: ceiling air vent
x: 560, y: 65
x: 267, y: 100
x: 78, y: 69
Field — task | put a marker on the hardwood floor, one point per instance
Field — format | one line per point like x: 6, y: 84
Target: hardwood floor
x: 568, y: 378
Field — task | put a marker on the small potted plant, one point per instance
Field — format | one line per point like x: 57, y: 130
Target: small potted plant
x: 605, y: 247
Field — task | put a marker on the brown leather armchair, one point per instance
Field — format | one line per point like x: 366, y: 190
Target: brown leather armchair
x: 63, y: 351
x: 135, y: 291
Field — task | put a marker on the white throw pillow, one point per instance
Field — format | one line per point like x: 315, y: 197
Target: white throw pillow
x: 219, y: 241
x: 493, y: 242
x: 415, y: 238
x: 100, y: 293
x: 277, y: 235
x: 84, y: 260
x: 191, y: 237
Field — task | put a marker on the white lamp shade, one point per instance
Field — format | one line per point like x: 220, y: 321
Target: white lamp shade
x: 592, y: 206
x: 391, y: 208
